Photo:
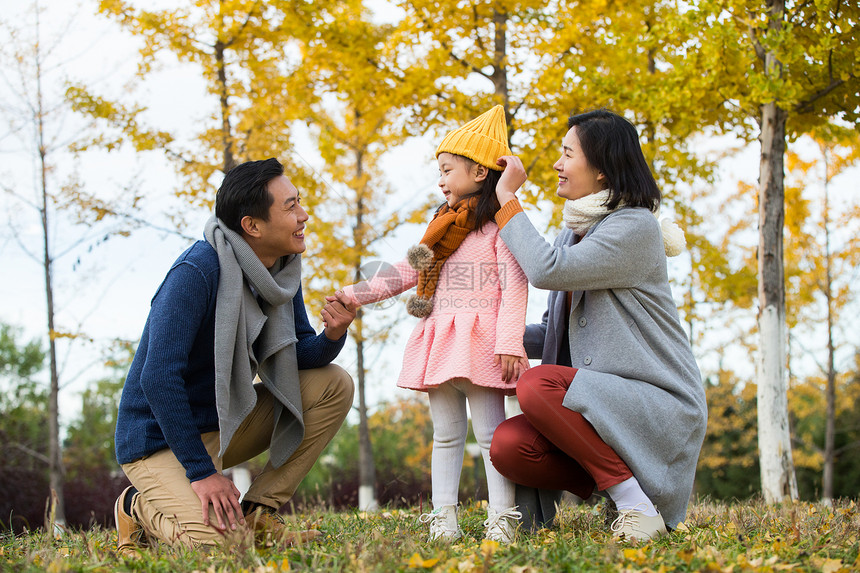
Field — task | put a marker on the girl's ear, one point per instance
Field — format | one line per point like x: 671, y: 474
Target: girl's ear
x: 481, y: 172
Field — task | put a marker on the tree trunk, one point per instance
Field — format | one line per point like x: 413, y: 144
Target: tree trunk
x: 830, y: 418
x: 778, y: 480
x: 500, y: 64
x: 56, y: 475
x: 226, y: 129
x: 55, y: 453
x: 366, y: 466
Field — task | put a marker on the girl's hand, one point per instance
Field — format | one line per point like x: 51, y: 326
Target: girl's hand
x: 512, y: 178
x: 512, y: 366
x: 337, y: 314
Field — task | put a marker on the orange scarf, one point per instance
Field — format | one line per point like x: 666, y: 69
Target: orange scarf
x: 443, y: 236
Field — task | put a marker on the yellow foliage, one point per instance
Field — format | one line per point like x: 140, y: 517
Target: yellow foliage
x: 731, y: 435
x: 488, y: 547
x: 418, y: 562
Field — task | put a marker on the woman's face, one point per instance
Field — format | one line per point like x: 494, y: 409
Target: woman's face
x: 576, y: 177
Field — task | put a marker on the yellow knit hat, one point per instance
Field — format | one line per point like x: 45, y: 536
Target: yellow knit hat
x: 483, y: 140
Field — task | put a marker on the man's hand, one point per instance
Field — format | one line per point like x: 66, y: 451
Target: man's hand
x: 337, y: 314
x: 513, y: 176
x: 512, y: 366
x: 222, y: 495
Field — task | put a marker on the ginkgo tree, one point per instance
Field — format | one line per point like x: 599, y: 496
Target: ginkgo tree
x: 822, y: 257
x: 476, y: 57
x: 787, y: 67
x: 356, y: 119
x: 259, y: 63
x: 245, y: 51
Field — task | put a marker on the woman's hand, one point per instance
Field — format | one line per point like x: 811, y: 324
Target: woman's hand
x: 512, y: 366
x: 512, y: 178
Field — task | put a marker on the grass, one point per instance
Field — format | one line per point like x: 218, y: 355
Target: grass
x: 743, y: 536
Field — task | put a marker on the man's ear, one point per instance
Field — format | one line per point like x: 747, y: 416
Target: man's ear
x: 481, y: 172
x: 250, y: 227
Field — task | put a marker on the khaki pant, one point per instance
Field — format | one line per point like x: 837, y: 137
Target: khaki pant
x: 168, y: 508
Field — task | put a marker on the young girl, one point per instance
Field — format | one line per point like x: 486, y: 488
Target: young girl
x: 471, y: 299
x: 618, y: 404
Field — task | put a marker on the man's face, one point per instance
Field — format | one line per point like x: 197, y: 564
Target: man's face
x: 283, y: 234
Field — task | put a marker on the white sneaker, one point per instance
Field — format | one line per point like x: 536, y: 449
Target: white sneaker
x: 502, y: 526
x: 443, y: 523
x: 634, y: 525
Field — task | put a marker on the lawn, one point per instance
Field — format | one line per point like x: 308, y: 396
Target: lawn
x: 747, y: 536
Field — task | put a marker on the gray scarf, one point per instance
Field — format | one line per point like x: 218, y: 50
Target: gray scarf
x: 255, y: 337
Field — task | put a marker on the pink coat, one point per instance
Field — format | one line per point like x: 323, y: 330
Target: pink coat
x: 479, y: 310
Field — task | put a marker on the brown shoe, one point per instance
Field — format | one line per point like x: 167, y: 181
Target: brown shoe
x: 271, y: 529
x: 130, y: 536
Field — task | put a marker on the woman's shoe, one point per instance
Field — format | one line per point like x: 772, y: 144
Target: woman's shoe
x: 634, y: 525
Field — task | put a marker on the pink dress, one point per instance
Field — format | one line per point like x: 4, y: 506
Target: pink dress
x: 479, y: 310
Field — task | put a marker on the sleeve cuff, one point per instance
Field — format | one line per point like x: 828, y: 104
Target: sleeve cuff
x: 507, y: 212
x: 349, y: 291
x: 512, y: 351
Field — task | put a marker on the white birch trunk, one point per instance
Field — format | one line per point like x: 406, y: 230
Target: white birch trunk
x: 367, y: 498
x: 778, y: 481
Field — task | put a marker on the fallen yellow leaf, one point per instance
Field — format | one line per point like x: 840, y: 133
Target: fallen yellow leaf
x: 831, y: 566
x: 418, y: 562
x: 488, y: 547
x: 636, y: 555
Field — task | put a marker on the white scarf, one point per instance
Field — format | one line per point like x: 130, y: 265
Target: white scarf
x: 582, y: 214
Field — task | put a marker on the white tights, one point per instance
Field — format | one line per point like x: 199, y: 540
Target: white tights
x: 450, y: 426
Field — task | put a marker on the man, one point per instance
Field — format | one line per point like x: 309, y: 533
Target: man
x: 230, y: 309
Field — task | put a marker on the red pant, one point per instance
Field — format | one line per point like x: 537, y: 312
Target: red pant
x: 550, y: 446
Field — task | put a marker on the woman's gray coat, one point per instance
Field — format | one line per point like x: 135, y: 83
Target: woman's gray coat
x: 638, y: 383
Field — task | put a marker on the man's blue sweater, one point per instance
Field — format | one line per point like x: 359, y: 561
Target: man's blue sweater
x: 169, y: 395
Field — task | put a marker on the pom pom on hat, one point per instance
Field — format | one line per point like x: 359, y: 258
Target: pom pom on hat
x: 483, y: 140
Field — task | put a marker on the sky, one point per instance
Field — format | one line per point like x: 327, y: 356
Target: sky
x: 104, y: 286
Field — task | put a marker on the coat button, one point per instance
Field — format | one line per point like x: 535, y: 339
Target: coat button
x: 587, y: 360
x: 583, y: 321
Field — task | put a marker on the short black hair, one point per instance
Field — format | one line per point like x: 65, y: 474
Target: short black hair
x: 610, y: 143
x: 244, y: 192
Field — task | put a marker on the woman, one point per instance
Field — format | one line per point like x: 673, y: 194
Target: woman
x: 628, y: 415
